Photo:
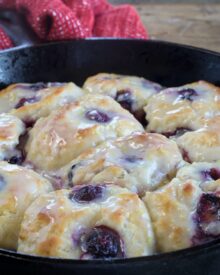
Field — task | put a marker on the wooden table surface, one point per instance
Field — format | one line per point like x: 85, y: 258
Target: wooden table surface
x: 191, y: 24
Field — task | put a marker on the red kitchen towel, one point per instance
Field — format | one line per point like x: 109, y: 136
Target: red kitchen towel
x: 54, y: 20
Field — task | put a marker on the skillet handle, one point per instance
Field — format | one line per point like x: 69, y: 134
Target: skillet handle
x: 17, y: 28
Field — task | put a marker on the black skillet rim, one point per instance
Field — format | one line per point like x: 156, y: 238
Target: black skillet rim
x: 119, y: 40
x: 187, y: 252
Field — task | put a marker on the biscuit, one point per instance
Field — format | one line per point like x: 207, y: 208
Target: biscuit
x: 68, y: 131
x: 139, y: 162
x: 36, y: 104
x: 87, y: 222
x: 202, y: 145
x: 175, y: 111
x: 131, y: 92
x: 185, y: 213
x: 11, y: 128
x: 19, y: 187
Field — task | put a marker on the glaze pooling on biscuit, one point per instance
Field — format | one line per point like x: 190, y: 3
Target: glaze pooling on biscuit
x: 30, y: 104
x: 11, y: 129
x: 186, y: 211
x: 185, y: 107
x: 38, y: 86
x: 19, y: 187
x: 202, y: 144
x: 20, y: 94
x: 57, y: 226
x: 50, y: 146
x: 131, y: 92
x: 89, y: 142
x: 138, y: 162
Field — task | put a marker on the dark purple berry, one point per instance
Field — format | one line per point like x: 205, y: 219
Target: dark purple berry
x: 187, y: 94
x: 178, y: 132
x: 38, y: 86
x: 70, y: 175
x: 124, y: 98
x: 185, y: 156
x: 132, y: 159
x: 208, y: 209
x: 16, y: 160
x: 140, y: 115
x: 2, y: 183
x: 29, y: 123
x: 103, y: 242
x: 212, y: 174
x: 24, y: 100
x: 86, y: 193
x: 97, y: 116
x: 207, y: 213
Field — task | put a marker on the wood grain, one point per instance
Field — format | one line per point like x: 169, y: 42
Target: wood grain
x: 191, y: 24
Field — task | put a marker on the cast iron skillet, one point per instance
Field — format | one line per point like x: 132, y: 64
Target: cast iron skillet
x: 166, y: 63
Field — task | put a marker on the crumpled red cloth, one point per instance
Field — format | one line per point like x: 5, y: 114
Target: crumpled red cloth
x: 54, y: 20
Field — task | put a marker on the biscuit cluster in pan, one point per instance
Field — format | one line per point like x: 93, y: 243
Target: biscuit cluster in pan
x: 119, y: 168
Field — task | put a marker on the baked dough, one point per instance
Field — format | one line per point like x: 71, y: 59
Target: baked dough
x: 45, y: 101
x: 19, y: 187
x: 203, y: 144
x: 185, y: 212
x: 87, y: 222
x: 138, y: 162
x: 175, y: 111
x: 11, y: 128
x: 67, y: 132
x: 131, y: 92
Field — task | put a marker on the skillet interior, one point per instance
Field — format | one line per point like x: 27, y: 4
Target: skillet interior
x: 166, y: 63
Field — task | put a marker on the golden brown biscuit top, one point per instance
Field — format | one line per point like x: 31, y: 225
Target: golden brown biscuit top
x: 186, y: 107
x: 75, y: 127
x: 139, y: 162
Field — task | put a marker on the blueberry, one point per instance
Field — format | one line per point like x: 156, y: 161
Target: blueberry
x: 132, y: 159
x: 185, y: 155
x: 16, y: 160
x: 2, y: 183
x: 103, y: 242
x: 97, y: 116
x: 24, y: 100
x: 124, y: 98
x: 208, y: 209
x: 140, y: 115
x: 211, y: 174
x: 187, y: 94
x: 29, y: 123
x: 207, y: 212
x: 178, y: 132
x: 70, y: 175
x: 86, y: 193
